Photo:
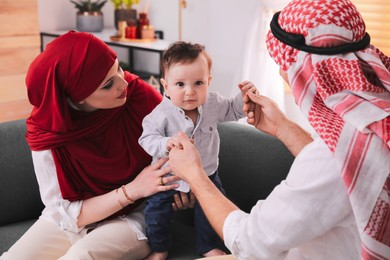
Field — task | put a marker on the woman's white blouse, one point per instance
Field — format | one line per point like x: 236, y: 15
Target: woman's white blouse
x: 63, y: 212
x: 307, y: 216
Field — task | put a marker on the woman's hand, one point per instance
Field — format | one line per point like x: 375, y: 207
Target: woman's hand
x: 150, y: 181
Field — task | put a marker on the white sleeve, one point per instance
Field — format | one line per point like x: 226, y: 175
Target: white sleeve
x: 153, y: 139
x: 230, y: 108
x: 59, y: 210
x: 309, y: 203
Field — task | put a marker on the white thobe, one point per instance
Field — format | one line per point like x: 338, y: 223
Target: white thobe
x: 307, y: 216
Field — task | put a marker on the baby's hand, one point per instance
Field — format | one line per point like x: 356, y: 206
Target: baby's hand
x: 174, y: 142
x: 247, y: 86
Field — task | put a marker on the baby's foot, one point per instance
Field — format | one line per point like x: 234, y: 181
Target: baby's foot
x: 214, y: 252
x: 157, y: 256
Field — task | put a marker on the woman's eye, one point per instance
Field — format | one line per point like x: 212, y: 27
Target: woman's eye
x: 108, y: 85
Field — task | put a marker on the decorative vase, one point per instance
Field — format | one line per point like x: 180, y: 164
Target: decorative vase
x: 143, y: 20
x: 89, y: 21
x: 128, y: 15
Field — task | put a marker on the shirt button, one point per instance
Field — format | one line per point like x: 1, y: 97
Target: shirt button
x: 210, y: 128
x: 58, y: 204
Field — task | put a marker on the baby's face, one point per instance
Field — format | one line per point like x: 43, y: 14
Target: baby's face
x: 187, y: 83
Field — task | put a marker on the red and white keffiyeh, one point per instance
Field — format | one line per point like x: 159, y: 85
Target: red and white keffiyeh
x: 346, y: 98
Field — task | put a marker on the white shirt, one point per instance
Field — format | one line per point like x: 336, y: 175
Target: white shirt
x: 63, y: 212
x: 307, y: 216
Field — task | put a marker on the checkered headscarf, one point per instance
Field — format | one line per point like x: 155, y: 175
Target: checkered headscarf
x: 345, y: 96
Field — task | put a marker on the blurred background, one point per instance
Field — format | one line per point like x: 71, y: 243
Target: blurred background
x: 233, y: 32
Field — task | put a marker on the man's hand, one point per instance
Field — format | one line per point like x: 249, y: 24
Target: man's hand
x: 263, y: 113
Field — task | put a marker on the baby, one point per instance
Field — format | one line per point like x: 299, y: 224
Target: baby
x: 188, y: 107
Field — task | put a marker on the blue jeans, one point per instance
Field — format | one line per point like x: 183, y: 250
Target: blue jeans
x: 159, y: 217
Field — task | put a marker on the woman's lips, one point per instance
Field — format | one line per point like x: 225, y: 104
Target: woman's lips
x: 123, y: 95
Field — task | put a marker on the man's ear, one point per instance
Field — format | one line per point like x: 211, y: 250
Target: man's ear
x: 165, y: 85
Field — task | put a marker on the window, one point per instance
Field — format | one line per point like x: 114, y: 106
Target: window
x: 376, y: 15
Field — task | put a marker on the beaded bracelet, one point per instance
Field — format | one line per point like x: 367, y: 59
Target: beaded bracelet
x: 127, y: 195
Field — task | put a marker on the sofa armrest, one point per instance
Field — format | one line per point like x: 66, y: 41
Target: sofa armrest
x: 19, y: 192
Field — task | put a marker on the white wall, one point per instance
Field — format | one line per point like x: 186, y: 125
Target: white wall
x: 220, y: 26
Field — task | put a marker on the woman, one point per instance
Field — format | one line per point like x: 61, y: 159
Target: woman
x: 334, y: 203
x: 83, y: 132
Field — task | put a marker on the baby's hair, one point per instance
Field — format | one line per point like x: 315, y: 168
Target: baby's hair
x: 182, y: 52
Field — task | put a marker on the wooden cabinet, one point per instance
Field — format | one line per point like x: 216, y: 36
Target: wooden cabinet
x: 19, y: 45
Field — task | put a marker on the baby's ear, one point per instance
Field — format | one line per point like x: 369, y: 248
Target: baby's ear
x: 165, y: 85
x: 210, y: 78
x: 163, y: 82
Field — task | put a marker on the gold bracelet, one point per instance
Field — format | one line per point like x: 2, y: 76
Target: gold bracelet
x: 118, y: 199
x: 127, y: 195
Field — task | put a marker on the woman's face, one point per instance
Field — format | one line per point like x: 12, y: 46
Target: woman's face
x: 110, y: 93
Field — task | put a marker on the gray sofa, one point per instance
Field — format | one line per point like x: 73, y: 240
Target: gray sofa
x: 251, y: 165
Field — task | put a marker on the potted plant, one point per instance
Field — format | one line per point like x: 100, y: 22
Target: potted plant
x: 89, y: 17
x: 124, y: 11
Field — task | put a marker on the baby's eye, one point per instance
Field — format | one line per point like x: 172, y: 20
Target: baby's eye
x: 199, y: 82
x: 180, y: 84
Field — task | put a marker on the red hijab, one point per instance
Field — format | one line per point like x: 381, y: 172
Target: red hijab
x: 94, y: 152
x: 345, y: 95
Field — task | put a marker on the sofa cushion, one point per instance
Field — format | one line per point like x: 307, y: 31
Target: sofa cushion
x: 251, y: 163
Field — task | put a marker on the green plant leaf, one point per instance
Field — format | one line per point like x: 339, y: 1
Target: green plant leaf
x: 89, y: 5
x: 117, y: 4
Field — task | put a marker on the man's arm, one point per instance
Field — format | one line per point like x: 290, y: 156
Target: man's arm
x: 185, y: 163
